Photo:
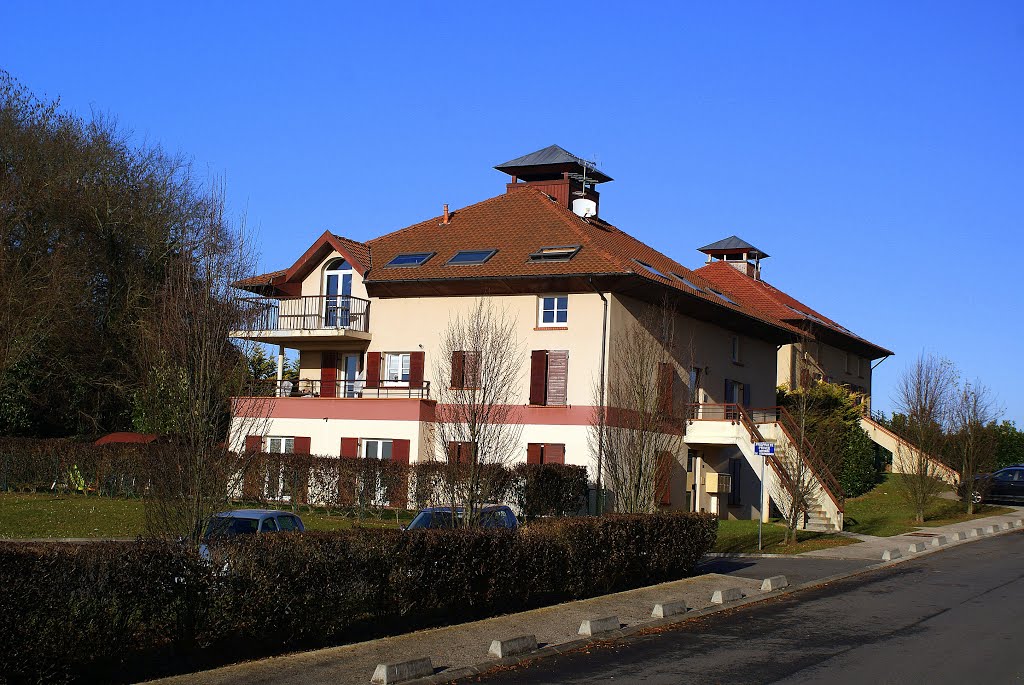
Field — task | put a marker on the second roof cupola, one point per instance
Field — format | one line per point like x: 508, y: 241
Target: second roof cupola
x: 569, y: 179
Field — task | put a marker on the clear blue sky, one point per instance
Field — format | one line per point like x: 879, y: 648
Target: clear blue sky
x: 873, y: 149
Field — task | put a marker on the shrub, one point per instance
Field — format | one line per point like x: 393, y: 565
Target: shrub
x: 549, y: 489
x: 139, y: 609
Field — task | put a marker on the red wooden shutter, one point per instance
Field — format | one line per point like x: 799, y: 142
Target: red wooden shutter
x: 472, y: 369
x: 554, y: 453
x: 253, y: 444
x: 558, y: 376
x: 253, y: 476
x: 373, y: 369
x: 458, y: 369
x: 666, y: 376
x: 533, y: 453
x: 538, y: 376
x: 453, y: 453
x: 664, y: 491
x: 400, y: 451
x: 328, y: 374
x: 350, y: 448
x: 399, y: 496
x: 416, y: 370
x: 300, y: 445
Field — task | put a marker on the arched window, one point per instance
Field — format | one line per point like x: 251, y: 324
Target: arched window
x: 337, y: 293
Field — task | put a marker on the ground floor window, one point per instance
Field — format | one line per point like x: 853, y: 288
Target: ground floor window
x: 374, y: 448
x: 280, y: 445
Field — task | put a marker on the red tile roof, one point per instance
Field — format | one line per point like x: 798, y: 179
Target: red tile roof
x: 773, y: 302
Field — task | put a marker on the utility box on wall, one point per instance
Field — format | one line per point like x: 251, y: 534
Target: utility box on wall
x: 718, y: 483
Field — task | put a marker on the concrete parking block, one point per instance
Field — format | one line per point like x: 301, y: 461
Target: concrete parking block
x: 596, y: 626
x: 1019, y: 522
x: 513, y: 646
x: 957, y: 536
x: 939, y: 541
x: 890, y: 554
x: 729, y: 594
x: 666, y: 609
x: 991, y: 529
x: 976, y: 532
x: 774, y: 583
x: 401, y: 671
x: 916, y: 547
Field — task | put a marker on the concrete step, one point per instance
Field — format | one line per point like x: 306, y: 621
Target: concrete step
x: 821, y: 527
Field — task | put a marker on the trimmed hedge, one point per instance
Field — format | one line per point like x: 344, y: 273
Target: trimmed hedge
x: 135, y: 610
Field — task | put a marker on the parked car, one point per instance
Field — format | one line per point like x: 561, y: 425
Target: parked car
x: 491, y: 516
x: 1004, y: 485
x: 231, y: 524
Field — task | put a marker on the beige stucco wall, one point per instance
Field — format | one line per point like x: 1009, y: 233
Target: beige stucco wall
x: 313, y: 284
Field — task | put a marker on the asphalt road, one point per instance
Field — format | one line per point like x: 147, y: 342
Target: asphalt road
x: 950, y: 617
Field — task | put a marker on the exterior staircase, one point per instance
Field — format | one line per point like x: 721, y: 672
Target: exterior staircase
x: 904, y: 454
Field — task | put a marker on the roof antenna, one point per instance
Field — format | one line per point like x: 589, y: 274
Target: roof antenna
x: 583, y: 206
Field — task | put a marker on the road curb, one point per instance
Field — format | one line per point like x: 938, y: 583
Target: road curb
x: 678, y: 619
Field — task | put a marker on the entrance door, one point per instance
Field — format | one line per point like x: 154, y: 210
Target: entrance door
x: 350, y: 373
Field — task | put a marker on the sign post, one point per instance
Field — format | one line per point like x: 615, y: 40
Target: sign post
x: 764, y: 449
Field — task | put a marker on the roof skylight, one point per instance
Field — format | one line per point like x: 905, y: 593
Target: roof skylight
x: 721, y: 295
x: 687, y: 282
x: 410, y: 259
x: 471, y: 257
x: 806, y: 315
x: 651, y: 269
x: 559, y: 253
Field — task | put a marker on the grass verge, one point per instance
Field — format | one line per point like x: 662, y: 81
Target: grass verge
x: 741, y: 537
x: 883, y: 512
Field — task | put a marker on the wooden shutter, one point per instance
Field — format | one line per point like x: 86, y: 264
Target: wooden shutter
x: 400, y: 451
x: 350, y: 448
x: 328, y: 374
x: 666, y: 376
x: 300, y: 445
x: 373, y: 369
x: 558, y: 377
x: 471, y: 370
x: 253, y: 444
x: 664, y: 491
x: 533, y: 453
x: 453, y: 453
x: 554, y: 453
x: 399, y: 496
x: 458, y: 369
x: 416, y: 369
x: 538, y: 376
x: 735, y: 468
x: 254, y: 474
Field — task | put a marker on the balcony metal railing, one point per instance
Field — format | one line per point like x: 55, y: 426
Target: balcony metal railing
x: 305, y: 387
x: 307, y: 313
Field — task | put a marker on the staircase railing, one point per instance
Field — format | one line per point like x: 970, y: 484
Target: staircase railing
x: 785, y: 421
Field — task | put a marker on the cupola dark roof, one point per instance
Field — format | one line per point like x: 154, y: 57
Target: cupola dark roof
x: 733, y: 244
x: 551, y: 160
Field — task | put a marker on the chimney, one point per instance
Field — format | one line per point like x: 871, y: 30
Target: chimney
x: 446, y: 218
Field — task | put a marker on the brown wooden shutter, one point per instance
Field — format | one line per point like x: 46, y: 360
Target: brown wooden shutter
x: 471, y: 372
x: 328, y: 374
x: 399, y: 496
x: 300, y: 445
x: 373, y: 369
x: 253, y: 444
x: 458, y: 369
x: 453, y: 453
x: 554, y: 453
x: 533, y: 453
x: 254, y: 474
x: 664, y: 491
x: 400, y: 451
x: 666, y: 377
x: 415, y: 369
x: 558, y: 376
x: 538, y: 376
x: 350, y: 448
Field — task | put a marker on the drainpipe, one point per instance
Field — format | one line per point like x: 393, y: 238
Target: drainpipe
x: 600, y: 430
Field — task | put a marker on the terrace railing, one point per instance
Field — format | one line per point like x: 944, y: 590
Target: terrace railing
x: 307, y: 313
x: 313, y: 388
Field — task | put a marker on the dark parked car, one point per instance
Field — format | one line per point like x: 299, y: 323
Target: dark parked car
x: 491, y: 516
x: 231, y: 524
x: 1004, y: 485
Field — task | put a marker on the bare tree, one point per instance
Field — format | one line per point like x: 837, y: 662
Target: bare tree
x: 192, y: 370
x: 974, y: 442
x: 635, y: 431
x: 925, y: 394
x: 478, y: 378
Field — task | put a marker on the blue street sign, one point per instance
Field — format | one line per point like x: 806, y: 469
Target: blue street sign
x: 764, y: 448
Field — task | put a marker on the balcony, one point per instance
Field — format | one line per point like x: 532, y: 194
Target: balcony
x: 279, y: 320
x: 308, y: 388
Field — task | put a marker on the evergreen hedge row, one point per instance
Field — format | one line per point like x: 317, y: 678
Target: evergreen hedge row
x: 123, y: 612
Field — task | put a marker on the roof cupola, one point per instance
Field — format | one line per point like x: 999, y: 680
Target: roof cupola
x: 569, y: 179
x: 738, y: 253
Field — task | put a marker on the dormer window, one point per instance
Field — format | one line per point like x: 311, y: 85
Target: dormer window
x: 467, y: 257
x: 410, y: 259
x: 561, y: 253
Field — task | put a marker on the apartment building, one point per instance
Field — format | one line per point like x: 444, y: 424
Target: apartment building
x: 366, y: 319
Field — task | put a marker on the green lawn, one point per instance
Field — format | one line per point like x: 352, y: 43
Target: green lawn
x: 883, y: 512
x: 77, y: 516
x: 741, y: 536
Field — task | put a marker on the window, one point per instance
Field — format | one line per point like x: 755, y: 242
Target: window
x: 280, y: 445
x: 651, y: 269
x: 720, y: 295
x: 545, y: 453
x: 337, y: 294
x: 288, y: 523
x: 410, y: 259
x: 687, y: 282
x: 396, y: 367
x: 549, y: 377
x: 736, y: 349
x: 848, y: 362
x: 1006, y: 476
x: 374, y: 448
x: 471, y: 257
x: 465, y: 369
x: 552, y: 311
x: 268, y: 526
x: 460, y: 452
x: 555, y: 254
